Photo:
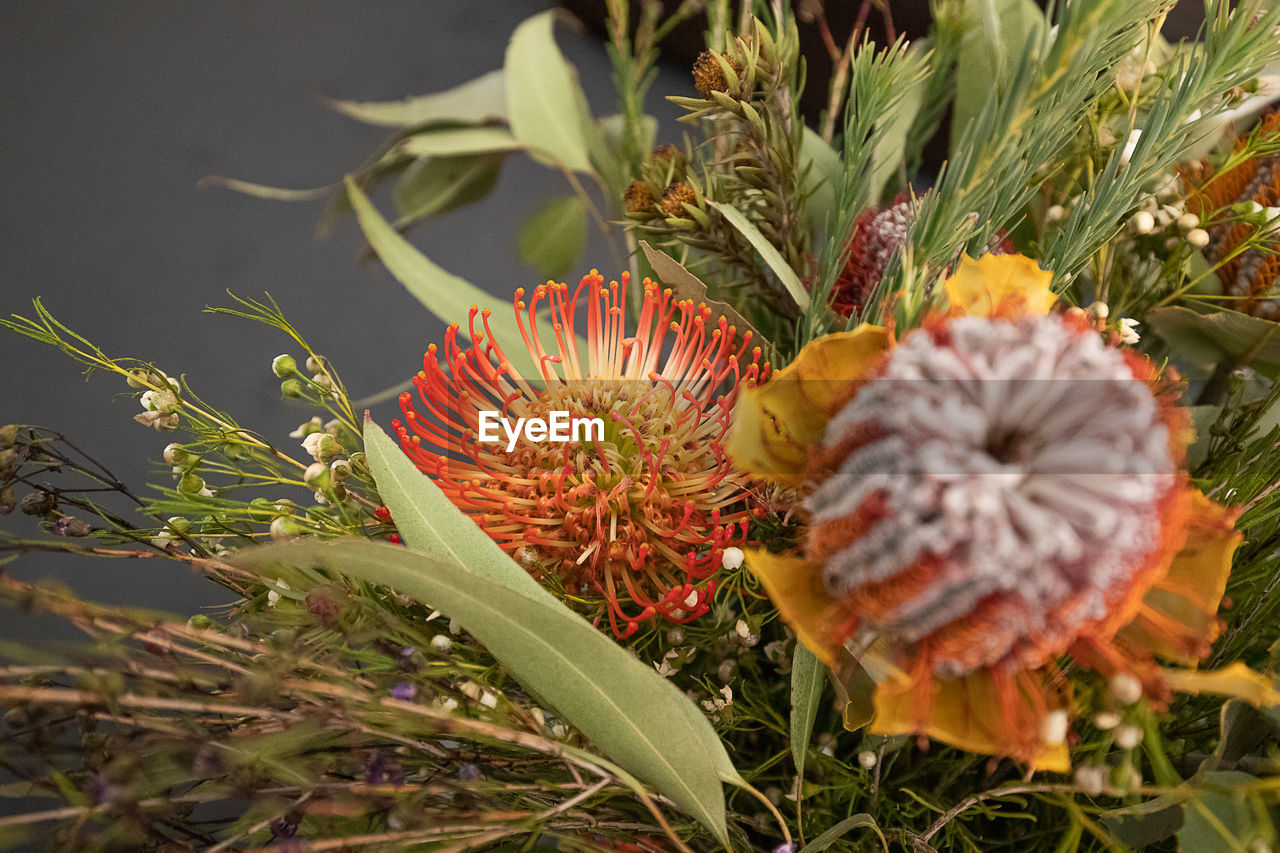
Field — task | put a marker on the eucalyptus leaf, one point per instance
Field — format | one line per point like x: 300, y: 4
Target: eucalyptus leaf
x: 444, y: 294
x: 553, y: 238
x: 1217, y: 817
x: 546, y: 107
x: 453, y: 141
x: 808, y: 677
x: 988, y: 50
x: 431, y: 524
x: 629, y: 712
x: 1209, y: 337
x: 437, y: 185
x: 768, y: 252
x: 478, y: 101
x: 821, y: 167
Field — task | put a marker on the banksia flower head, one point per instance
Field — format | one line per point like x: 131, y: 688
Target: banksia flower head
x: 1251, y: 275
x: 637, y: 520
x: 997, y: 489
x: 877, y: 233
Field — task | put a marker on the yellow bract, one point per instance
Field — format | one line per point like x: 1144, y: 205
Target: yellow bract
x: 998, y: 284
x: 775, y: 424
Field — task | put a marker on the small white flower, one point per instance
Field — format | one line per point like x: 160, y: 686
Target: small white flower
x: 691, y: 600
x: 867, y: 759
x: 1054, y: 728
x: 731, y: 559
x: 273, y: 595
x: 1198, y: 237
x: 1128, y: 331
x: 1106, y: 721
x: 1125, y: 688
x: 441, y: 643
x: 721, y: 702
x: 1127, y: 736
x: 1098, y: 311
x: 488, y: 699
x: 312, y: 444
x: 446, y: 703
x: 1188, y: 221
x: 1091, y: 780
x: 1055, y: 213
x: 311, y: 426
x: 665, y: 669
x: 742, y: 629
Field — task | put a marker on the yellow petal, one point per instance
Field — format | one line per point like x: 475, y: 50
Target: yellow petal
x: 996, y: 283
x: 1235, y: 680
x: 775, y: 424
x: 1179, y: 614
x: 968, y: 713
x: 819, y: 619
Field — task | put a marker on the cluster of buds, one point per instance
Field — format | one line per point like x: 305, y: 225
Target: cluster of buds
x: 161, y: 402
x: 295, y: 384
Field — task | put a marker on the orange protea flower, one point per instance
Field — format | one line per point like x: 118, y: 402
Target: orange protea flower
x: 638, y: 520
x: 997, y: 489
x: 1253, y: 274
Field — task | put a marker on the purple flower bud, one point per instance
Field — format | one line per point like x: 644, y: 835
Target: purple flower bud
x: 404, y: 691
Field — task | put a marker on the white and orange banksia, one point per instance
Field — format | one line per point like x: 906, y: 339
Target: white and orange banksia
x: 639, y: 520
x: 996, y: 490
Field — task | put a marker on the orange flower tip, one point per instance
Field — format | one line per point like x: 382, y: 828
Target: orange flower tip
x: 519, y: 292
x: 486, y: 313
x: 475, y: 309
x: 453, y: 327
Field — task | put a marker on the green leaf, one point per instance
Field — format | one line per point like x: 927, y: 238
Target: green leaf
x: 263, y: 190
x: 1207, y: 338
x: 444, y: 294
x: 477, y: 101
x: 808, y: 677
x: 545, y: 105
x: 1217, y: 817
x: 453, y: 141
x: 431, y: 524
x: 437, y: 185
x: 768, y: 252
x: 553, y: 238
x: 821, y: 167
x: 858, y: 821
x: 988, y: 50
x: 629, y: 712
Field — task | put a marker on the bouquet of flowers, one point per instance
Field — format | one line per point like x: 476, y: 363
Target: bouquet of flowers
x: 870, y: 506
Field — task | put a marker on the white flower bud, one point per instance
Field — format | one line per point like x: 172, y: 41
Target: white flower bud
x: 1129, y: 331
x: 321, y: 446
x: 731, y: 559
x: 1091, y: 780
x: 1188, y: 221
x: 1106, y: 721
x: 1142, y: 222
x: 1054, y: 727
x: 283, y: 528
x: 1125, y: 688
x: 867, y: 759
x: 742, y: 629
x: 1098, y: 311
x: 1128, y: 736
x: 1056, y: 213
x: 174, y: 454
x: 1198, y: 237
x: 316, y: 475
x: 441, y: 643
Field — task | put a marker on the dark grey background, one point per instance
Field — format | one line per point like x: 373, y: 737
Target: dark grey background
x: 113, y: 111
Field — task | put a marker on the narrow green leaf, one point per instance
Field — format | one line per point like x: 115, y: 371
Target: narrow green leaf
x: 431, y: 524
x: 453, y: 141
x: 263, y: 190
x: 444, y: 294
x: 629, y: 712
x: 553, y: 238
x: 807, y: 680
x: 767, y: 251
x: 477, y: 101
x: 438, y: 185
x: 835, y: 833
x: 546, y: 107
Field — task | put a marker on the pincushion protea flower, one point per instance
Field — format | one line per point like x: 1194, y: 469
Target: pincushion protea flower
x: 995, y: 490
x: 639, y: 520
x: 1251, y: 275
